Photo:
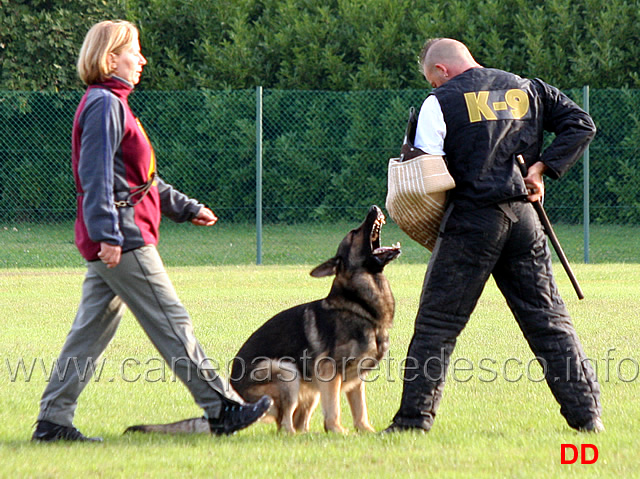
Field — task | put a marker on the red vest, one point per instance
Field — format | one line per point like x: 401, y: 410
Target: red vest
x: 117, y: 157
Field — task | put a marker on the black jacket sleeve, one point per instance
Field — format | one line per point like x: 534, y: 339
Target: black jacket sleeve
x: 573, y: 128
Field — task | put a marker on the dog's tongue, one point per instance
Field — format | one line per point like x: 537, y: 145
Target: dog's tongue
x: 386, y: 249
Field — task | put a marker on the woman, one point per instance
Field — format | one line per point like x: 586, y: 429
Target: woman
x: 119, y: 202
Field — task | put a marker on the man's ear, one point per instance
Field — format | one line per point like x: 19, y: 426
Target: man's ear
x: 328, y: 268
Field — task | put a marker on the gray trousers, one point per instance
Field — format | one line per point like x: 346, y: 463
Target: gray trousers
x: 141, y: 283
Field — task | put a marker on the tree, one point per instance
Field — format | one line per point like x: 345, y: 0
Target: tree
x: 325, y: 44
x: 40, y: 40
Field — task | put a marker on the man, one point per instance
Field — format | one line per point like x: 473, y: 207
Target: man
x: 481, y: 118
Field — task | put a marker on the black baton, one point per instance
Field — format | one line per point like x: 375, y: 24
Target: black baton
x: 546, y: 224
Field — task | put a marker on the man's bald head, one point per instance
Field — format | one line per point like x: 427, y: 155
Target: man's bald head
x: 444, y: 58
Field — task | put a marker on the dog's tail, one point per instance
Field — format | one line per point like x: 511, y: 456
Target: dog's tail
x: 196, y: 425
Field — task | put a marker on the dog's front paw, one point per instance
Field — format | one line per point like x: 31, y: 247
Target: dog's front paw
x: 335, y: 428
x: 287, y: 428
x: 365, y: 428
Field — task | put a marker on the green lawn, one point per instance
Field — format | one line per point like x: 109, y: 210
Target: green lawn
x: 51, y: 245
x: 503, y: 423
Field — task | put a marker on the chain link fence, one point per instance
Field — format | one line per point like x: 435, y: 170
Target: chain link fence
x: 324, y: 161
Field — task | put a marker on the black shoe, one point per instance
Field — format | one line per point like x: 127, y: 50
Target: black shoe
x: 393, y: 428
x: 47, y: 432
x: 236, y: 417
x: 595, y: 426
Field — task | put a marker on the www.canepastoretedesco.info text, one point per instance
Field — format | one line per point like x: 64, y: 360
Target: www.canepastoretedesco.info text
x: 610, y: 367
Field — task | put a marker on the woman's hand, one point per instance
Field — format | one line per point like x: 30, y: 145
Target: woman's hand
x: 205, y: 218
x: 110, y: 254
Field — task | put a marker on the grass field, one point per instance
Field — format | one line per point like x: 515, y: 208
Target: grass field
x: 51, y: 245
x: 503, y: 423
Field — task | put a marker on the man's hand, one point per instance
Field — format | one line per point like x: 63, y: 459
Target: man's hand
x: 110, y: 254
x: 534, y: 181
x: 205, y: 218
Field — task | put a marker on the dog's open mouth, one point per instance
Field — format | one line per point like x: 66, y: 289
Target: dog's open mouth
x: 384, y: 253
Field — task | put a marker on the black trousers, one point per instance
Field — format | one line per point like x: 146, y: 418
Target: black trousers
x: 508, y: 242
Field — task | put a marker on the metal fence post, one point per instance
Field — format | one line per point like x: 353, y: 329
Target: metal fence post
x: 586, y: 218
x: 259, y: 175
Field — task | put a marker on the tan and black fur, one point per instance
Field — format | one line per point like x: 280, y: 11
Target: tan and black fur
x: 312, y: 352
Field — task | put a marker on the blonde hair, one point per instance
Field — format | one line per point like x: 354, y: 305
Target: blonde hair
x: 101, y: 40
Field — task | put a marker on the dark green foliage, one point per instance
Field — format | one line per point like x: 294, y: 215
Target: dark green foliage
x: 40, y: 40
x: 325, y: 152
x: 325, y: 45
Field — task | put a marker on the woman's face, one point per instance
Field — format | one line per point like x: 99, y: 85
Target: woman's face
x: 129, y: 62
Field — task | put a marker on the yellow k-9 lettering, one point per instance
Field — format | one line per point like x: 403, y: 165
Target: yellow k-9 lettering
x: 497, y: 105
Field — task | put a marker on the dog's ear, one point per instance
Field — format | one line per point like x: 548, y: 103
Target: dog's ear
x: 328, y: 268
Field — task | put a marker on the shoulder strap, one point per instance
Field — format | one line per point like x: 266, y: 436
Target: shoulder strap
x: 407, y: 150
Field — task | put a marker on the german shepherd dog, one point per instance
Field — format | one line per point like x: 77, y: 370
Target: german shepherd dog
x: 308, y: 354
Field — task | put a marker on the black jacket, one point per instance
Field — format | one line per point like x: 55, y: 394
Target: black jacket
x: 492, y: 115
